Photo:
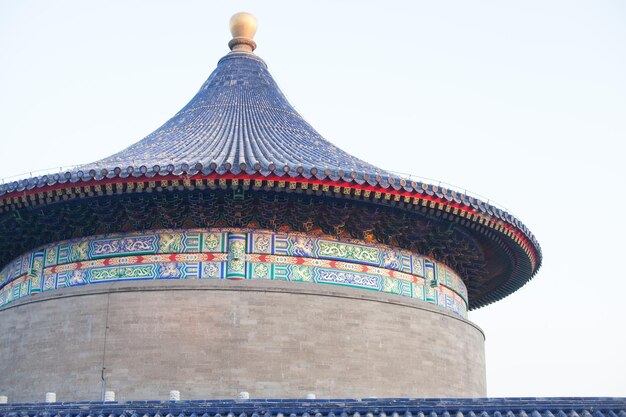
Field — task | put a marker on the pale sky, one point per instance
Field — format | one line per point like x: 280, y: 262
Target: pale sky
x: 521, y: 101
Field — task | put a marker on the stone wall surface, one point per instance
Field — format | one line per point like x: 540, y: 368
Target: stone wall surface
x: 212, y: 339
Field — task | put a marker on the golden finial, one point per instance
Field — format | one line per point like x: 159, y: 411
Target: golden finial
x: 243, y: 28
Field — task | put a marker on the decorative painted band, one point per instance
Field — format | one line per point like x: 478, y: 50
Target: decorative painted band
x: 232, y: 254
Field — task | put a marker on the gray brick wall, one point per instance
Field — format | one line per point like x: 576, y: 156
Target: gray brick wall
x: 212, y: 339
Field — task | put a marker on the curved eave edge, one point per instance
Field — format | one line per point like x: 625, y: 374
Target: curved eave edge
x: 520, y: 276
x: 384, y: 181
x: 400, y: 189
x: 433, y: 198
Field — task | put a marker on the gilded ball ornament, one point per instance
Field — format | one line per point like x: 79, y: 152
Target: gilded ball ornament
x: 243, y: 25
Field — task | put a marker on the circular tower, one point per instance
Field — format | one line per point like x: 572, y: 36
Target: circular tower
x: 235, y: 249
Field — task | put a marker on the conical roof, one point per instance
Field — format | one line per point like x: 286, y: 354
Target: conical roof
x: 238, y: 121
x: 239, y: 131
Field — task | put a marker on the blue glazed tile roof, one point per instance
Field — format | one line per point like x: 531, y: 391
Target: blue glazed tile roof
x: 239, y: 121
x: 386, y: 407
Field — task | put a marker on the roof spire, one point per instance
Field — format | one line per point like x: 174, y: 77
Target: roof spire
x: 243, y: 28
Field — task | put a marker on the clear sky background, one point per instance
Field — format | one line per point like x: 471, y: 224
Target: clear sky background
x: 521, y: 101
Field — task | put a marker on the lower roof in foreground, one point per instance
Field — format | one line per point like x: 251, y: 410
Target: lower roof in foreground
x: 392, y: 407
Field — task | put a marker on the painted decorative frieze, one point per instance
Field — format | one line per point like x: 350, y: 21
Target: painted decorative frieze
x: 232, y: 254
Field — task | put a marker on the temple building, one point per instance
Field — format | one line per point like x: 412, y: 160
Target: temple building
x: 235, y: 249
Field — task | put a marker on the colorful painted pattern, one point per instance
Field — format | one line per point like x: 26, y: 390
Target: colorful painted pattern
x: 232, y: 254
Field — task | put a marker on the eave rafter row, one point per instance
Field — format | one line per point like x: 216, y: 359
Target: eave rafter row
x: 390, y: 196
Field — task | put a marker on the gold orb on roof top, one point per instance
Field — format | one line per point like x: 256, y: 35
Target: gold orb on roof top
x: 243, y: 25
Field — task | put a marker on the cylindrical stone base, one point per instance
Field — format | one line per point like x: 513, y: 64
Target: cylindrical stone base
x: 215, y: 338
